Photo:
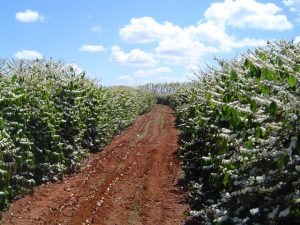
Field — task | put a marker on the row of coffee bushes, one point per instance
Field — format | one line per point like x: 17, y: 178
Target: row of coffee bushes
x: 240, y: 135
x: 50, y: 117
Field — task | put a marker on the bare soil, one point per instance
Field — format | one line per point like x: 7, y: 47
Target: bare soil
x: 134, y: 180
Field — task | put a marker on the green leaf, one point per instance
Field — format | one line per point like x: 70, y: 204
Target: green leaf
x: 225, y: 109
x: 279, y: 61
x: 208, y: 96
x: 242, y: 99
x: 261, y: 55
x: 227, y: 98
x: 212, y: 105
x: 297, y: 68
x: 194, y: 94
x: 280, y: 162
x: 292, y: 81
x: 265, y: 89
x: 253, y: 106
x: 258, y: 72
x: 233, y: 75
x: 231, y: 166
x: 226, y: 179
x: 258, y: 133
x: 255, y: 71
x: 265, y: 133
x: 1, y: 122
x: 13, y: 78
x: 211, y: 179
x: 249, y: 144
x: 247, y: 63
x: 272, y: 109
x: 267, y: 74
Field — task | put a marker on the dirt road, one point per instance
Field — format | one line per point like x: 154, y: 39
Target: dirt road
x: 134, y: 181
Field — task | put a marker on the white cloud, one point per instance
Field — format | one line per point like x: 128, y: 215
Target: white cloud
x: 152, y: 72
x: 28, y: 54
x: 92, y: 48
x: 212, y: 33
x: 187, y: 45
x: 182, y: 49
x: 297, y: 39
x: 294, y: 6
x: 146, y: 30
x: 135, y: 57
x: 175, y: 44
x: 96, y: 29
x: 29, y: 16
x: 248, y: 14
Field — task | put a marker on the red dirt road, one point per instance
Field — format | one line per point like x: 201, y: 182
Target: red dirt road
x: 132, y: 181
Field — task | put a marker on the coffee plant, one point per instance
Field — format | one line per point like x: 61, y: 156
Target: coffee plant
x: 51, y: 117
x: 240, y: 131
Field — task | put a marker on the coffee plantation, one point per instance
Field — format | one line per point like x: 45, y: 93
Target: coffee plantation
x: 239, y: 123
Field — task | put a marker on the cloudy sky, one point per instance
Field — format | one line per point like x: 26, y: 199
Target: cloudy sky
x: 137, y: 41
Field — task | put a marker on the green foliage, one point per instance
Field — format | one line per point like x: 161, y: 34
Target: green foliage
x: 50, y: 117
x: 240, y: 130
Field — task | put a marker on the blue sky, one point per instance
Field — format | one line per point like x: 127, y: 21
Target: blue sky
x: 138, y: 41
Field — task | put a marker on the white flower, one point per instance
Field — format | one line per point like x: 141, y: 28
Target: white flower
x: 272, y: 214
x: 227, y: 195
x: 254, y: 211
x: 293, y: 142
x: 225, y: 131
x: 284, y: 213
x: 226, y: 161
x: 206, y: 158
x: 272, y: 140
x: 259, y: 179
x: 294, y: 117
x: 195, y: 213
x: 221, y: 219
x: 243, y: 150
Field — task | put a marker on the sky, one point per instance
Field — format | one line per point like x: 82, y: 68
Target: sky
x: 134, y: 42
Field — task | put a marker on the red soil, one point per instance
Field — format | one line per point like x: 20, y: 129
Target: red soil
x: 134, y: 180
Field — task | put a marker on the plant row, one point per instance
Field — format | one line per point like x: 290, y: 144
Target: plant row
x: 50, y: 117
x: 240, y: 131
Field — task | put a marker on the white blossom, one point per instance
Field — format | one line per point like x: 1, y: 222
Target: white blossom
x: 285, y: 212
x: 254, y: 211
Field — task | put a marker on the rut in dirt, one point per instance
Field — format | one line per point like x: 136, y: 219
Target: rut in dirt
x: 134, y: 180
